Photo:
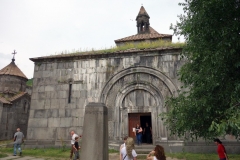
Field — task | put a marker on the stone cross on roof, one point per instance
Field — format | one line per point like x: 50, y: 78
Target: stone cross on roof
x: 14, y: 55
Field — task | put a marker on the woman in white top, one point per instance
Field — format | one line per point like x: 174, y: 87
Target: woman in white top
x: 157, y: 154
x: 128, y: 152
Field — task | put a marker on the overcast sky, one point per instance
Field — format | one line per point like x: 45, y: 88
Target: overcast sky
x: 37, y: 28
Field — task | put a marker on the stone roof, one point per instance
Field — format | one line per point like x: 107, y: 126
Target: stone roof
x: 100, y: 54
x: 17, y: 96
x: 137, y: 37
x: 143, y: 12
x: 4, y: 101
x: 12, y: 70
x: 10, y: 100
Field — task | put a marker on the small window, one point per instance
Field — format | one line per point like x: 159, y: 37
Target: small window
x: 70, y: 93
x: 25, y: 106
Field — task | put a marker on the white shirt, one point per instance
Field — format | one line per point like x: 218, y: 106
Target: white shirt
x: 154, y: 158
x: 123, y: 145
x: 124, y: 152
x: 73, y: 138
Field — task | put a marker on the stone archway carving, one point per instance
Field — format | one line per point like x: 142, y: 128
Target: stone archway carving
x: 140, y: 69
x: 150, y: 81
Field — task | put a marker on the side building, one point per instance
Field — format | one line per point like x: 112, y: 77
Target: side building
x: 14, y: 101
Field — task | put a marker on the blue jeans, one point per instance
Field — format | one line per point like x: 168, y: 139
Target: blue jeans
x: 139, y: 138
x: 76, y: 153
x: 17, y: 146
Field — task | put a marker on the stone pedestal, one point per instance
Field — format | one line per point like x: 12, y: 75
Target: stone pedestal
x: 95, y: 132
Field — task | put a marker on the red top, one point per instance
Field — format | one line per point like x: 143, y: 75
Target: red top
x: 221, y: 151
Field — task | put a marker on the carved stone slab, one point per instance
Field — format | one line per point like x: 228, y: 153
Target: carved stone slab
x: 95, y: 132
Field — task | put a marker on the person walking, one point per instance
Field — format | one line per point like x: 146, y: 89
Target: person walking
x: 123, y: 145
x: 138, y: 134
x: 18, y: 140
x: 221, y: 150
x: 128, y: 152
x: 157, y: 154
x: 76, y: 148
x: 73, y: 136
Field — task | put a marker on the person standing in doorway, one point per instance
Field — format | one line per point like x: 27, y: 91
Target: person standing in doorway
x: 147, y: 132
x: 221, y: 150
x: 73, y: 136
x: 18, y: 140
x: 138, y: 134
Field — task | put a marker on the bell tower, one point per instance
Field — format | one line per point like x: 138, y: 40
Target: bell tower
x: 143, y: 21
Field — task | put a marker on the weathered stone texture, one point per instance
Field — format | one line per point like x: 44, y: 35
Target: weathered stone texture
x: 13, y: 116
x: 12, y: 83
x: 146, y: 88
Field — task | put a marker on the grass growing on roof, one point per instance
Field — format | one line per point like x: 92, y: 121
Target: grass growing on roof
x: 128, y: 46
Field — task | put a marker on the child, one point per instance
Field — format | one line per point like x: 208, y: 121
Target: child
x: 76, y: 148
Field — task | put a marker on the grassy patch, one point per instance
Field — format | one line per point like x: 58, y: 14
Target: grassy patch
x: 2, y: 155
x: 30, y: 82
x: 128, y: 46
x: 113, y: 151
x: 49, y: 152
x: 6, y: 142
x: 195, y: 156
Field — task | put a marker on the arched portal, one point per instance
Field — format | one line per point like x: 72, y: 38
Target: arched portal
x: 136, y: 90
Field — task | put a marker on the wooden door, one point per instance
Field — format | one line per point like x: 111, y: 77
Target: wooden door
x: 133, y: 120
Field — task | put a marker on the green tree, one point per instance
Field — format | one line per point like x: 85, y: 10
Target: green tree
x: 208, y: 104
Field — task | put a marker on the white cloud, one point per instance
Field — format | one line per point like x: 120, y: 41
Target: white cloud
x: 41, y: 27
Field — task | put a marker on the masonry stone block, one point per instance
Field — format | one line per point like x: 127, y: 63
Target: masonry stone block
x: 49, y: 88
x: 62, y: 102
x: 62, y: 94
x: 68, y: 112
x: 53, y: 113
x: 38, y: 88
x: 42, y: 133
x: 40, y: 113
x: 53, y: 122
x: 62, y: 133
x: 77, y: 112
x: 66, y: 122
x: 37, y: 104
x: 61, y: 113
x: 37, y: 122
x: 55, y: 103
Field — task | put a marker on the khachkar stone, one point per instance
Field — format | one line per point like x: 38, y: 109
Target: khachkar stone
x: 95, y: 132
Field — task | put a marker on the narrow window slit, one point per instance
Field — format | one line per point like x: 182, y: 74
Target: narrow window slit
x: 70, y: 93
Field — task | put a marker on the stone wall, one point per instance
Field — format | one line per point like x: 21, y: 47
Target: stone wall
x: 14, y: 116
x: 53, y: 114
x: 12, y: 83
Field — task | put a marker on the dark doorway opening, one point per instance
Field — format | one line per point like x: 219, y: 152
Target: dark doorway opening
x: 141, y: 119
x: 147, y: 134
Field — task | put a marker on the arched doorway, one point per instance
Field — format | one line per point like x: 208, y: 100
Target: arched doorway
x: 136, y: 90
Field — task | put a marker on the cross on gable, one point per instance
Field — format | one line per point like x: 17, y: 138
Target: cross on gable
x: 14, y: 55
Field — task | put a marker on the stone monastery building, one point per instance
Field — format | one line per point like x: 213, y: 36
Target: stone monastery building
x: 132, y: 83
x: 14, y: 101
